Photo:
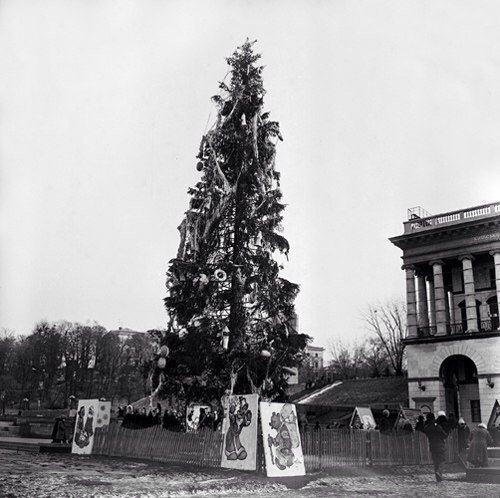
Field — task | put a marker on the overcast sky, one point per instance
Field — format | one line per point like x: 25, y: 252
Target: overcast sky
x: 383, y: 105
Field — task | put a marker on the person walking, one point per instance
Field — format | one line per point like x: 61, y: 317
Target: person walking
x: 478, y: 449
x: 463, y: 436
x: 437, y: 437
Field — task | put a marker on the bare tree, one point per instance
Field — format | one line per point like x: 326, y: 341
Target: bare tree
x: 375, y: 358
x: 347, y: 360
x: 388, y: 322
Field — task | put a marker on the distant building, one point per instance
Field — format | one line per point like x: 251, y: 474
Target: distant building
x: 311, y: 368
x: 124, y: 333
x: 313, y: 363
x: 452, y: 266
x: 315, y: 357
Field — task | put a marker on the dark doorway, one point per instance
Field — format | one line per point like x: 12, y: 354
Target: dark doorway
x: 459, y: 376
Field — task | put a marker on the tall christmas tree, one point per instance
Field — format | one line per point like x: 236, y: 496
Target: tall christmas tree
x: 231, y: 315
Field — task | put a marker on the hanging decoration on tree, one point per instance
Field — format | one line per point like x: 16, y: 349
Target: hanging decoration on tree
x: 228, y: 305
x: 220, y: 275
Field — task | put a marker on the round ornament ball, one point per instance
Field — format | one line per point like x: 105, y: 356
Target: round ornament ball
x: 199, y: 166
x: 164, y: 350
x: 265, y: 353
x: 162, y: 362
x: 220, y: 275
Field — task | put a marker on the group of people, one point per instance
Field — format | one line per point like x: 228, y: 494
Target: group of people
x: 473, y: 443
x: 173, y: 420
x: 135, y: 418
x: 207, y: 419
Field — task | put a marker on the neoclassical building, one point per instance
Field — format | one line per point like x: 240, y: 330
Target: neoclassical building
x: 452, y: 266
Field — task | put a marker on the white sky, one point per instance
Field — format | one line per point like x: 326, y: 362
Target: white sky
x: 383, y: 105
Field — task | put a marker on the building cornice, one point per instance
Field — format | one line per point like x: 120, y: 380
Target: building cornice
x: 444, y: 232
x: 447, y: 338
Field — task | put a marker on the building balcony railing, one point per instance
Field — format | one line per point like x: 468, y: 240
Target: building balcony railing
x: 429, y: 331
x: 488, y: 325
x: 416, y: 223
x: 455, y: 328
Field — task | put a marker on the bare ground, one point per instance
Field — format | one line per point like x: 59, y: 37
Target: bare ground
x: 45, y: 475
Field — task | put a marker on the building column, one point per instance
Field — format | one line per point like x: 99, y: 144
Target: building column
x: 496, y: 258
x: 470, y: 293
x: 432, y: 303
x: 422, y: 309
x: 440, y: 297
x: 447, y: 306
x: 411, y: 301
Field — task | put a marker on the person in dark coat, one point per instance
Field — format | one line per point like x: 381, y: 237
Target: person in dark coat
x: 437, y: 446
x: 442, y: 421
x: 478, y: 450
x: 463, y: 434
x: 54, y: 430
x: 385, y: 423
x: 420, y: 424
x: 61, y: 436
x: 128, y: 420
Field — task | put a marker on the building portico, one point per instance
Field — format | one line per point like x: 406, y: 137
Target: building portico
x: 452, y: 270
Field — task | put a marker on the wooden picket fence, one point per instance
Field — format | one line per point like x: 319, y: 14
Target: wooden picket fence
x: 328, y: 448
x: 322, y: 449
x: 201, y: 448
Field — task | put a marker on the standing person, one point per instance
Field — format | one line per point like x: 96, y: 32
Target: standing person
x: 478, y: 450
x: 420, y: 424
x: 437, y: 437
x: 463, y: 433
x: 385, y: 423
x: 442, y: 421
x: 127, y: 418
x: 61, y: 436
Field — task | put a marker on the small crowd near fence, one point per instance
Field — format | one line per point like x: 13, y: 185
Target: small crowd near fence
x: 140, y: 418
x: 173, y: 420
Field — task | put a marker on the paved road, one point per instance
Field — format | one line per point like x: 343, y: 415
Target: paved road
x: 45, y: 475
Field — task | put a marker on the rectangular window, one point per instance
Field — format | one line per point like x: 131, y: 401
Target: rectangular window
x: 475, y: 410
x: 457, y: 279
x: 482, y: 277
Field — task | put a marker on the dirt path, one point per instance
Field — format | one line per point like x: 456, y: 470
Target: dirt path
x: 44, y: 475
